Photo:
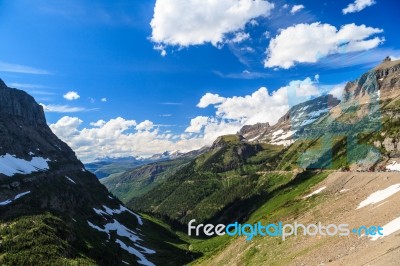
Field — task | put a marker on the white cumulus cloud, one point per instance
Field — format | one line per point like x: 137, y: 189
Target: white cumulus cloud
x: 193, y: 22
x: 209, y: 99
x: 197, y: 124
x: 337, y: 90
x: 315, y: 41
x: 357, y: 6
x: 121, y: 137
x: 232, y: 113
x: 71, y: 95
x: 296, y: 8
x: 145, y: 125
x: 118, y: 138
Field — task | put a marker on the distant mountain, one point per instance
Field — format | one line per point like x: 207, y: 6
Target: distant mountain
x: 106, y: 167
x: 103, y: 167
x: 55, y: 212
x: 237, y: 173
x: 295, y: 120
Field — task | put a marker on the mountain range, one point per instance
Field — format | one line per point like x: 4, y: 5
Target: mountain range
x: 319, y: 161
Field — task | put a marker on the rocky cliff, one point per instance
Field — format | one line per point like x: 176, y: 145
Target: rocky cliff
x: 295, y: 120
x: 53, y: 211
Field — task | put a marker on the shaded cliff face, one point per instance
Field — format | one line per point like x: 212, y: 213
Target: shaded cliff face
x: 20, y: 104
x: 53, y: 211
x: 25, y: 134
x: 33, y: 159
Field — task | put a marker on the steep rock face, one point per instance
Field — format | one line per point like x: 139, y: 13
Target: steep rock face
x: 20, y: 104
x: 376, y: 97
x: 25, y: 134
x: 40, y: 175
x: 252, y: 131
x: 384, y: 78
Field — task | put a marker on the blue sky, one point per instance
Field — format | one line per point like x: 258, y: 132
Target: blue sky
x: 142, y: 69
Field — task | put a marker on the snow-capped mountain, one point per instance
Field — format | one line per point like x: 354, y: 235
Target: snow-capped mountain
x: 295, y: 120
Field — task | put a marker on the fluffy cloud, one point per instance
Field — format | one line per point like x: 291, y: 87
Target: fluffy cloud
x: 71, y: 95
x: 197, y: 124
x: 194, y: 22
x: 209, y: 99
x: 315, y: 41
x: 120, y: 137
x: 99, y: 123
x: 240, y: 37
x: 66, y: 127
x: 103, y: 99
x: 337, y: 90
x: 357, y: 6
x: 296, y: 8
x: 260, y: 106
x: 233, y: 113
x: 145, y: 126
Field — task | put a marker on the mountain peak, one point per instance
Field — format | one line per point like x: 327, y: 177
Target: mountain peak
x: 17, y: 103
x: 2, y: 84
x: 387, y: 63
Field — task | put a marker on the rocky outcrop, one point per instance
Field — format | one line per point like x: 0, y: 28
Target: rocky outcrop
x: 252, y: 131
x: 383, y: 80
x: 25, y: 134
x: 223, y: 141
x: 40, y: 174
x: 298, y: 117
x: 20, y: 104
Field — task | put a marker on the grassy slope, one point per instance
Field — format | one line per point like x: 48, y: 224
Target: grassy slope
x: 221, y: 184
x: 284, y: 202
x: 52, y: 239
x: 135, y: 183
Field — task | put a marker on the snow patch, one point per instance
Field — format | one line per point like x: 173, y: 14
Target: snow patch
x: 388, y: 229
x: 380, y: 195
x: 253, y: 139
x: 6, y: 202
x: 109, y: 211
x: 70, y: 179
x: 315, y: 192
x: 394, y: 166
x: 11, y: 165
x: 307, y: 122
x: 142, y: 259
x: 123, y: 231
x: 283, y: 142
x: 318, y: 113
x: 276, y: 133
x: 287, y: 135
